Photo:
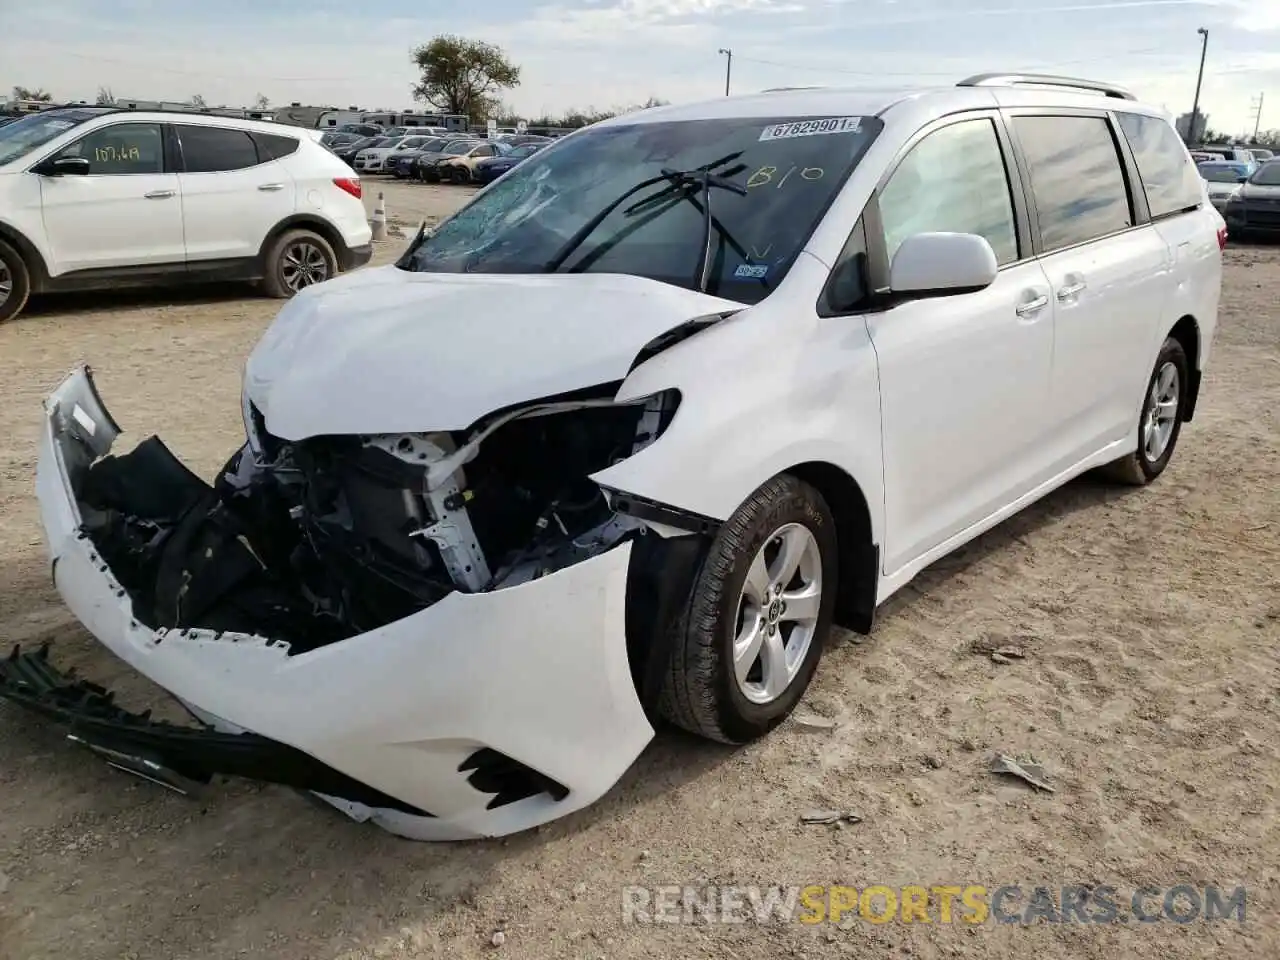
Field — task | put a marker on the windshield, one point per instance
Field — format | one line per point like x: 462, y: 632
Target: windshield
x: 519, y: 153
x: 410, y: 142
x: 19, y: 138
x: 431, y: 146
x: 1268, y: 175
x: 629, y: 199
x: 458, y: 147
x: 1220, y: 174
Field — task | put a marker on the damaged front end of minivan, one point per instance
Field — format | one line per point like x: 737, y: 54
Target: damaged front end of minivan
x: 455, y: 634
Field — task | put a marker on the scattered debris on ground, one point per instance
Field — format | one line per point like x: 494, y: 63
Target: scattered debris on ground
x: 829, y: 817
x: 1024, y: 768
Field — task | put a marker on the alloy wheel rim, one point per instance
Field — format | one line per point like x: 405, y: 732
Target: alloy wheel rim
x: 304, y: 265
x: 777, y: 614
x: 1162, y: 412
x: 6, y: 284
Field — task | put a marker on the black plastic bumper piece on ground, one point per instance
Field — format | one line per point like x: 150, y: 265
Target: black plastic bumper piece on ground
x: 167, y: 753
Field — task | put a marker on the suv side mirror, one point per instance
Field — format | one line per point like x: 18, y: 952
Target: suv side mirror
x: 64, y: 166
x: 941, y: 264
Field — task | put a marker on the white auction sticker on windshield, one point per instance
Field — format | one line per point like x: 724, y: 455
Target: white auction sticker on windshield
x: 811, y: 128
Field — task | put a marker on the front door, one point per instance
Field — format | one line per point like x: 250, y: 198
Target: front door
x: 964, y: 380
x: 125, y: 213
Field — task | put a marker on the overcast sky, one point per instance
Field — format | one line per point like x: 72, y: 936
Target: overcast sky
x: 605, y: 53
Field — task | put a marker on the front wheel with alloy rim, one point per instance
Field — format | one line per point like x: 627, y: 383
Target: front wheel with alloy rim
x: 758, y: 616
x: 1160, y: 422
x: 460, y: 175
x: 298, y: 259
x: 15, y: 282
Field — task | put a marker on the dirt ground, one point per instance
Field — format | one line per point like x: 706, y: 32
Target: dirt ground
x: 1150, y: 692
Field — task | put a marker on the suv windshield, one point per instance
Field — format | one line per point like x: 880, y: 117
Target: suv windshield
x: 1267, y: 175
x: 632, y: 198
x: 19, y: 138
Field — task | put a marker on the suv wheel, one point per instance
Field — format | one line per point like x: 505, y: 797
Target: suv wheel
x: 759, y: 616
x: 298, y: 259
x: 1161, y: 420
x: 460, y: 175
x: 15, y: 282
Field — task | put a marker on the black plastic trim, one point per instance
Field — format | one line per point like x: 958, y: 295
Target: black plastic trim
x: 642, y: 509
x: 166, y: 752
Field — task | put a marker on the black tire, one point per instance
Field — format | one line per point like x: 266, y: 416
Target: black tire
x: 281, y: 276
x: 701, y: 692
x: 15, y: 282
x: 1139, y: 467
x: 460, y: 175
x: 431, y: 174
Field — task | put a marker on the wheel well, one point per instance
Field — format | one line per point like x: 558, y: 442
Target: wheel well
x: 30, y: 256
x: 1187, y: 332
x: 304, y: 222
x: 859, y: 556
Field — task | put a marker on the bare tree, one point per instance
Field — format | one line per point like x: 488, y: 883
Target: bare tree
x: 32, y: 93
x: 198, y: 102
x: 105, y: 97
x: 261, y: 102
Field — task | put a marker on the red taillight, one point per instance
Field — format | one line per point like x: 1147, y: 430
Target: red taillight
x: 1222, y: 238
x: 349, y: 184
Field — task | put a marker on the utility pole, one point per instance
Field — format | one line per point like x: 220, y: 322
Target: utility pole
x: 1257, y: 117
x: 728, y: 68
x: 1195, y: 106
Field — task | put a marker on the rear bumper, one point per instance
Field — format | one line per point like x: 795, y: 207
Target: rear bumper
x: 353, y: 257
x: 534, y: 678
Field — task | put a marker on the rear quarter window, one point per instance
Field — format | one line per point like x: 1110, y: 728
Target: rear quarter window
x: 273, y: 146
x: 1169, y: 178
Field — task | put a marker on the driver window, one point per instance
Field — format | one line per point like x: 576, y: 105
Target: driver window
x: 122, y: 148
x: 952, y: 181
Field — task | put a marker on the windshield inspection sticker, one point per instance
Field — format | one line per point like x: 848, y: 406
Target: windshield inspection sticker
x: 751, y: 271
x: 810, y: 128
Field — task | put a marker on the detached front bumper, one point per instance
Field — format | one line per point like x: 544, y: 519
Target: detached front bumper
x: 487, y: 713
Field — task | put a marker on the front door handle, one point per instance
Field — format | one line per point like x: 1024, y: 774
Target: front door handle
x: 271, y: 186
x: 159, y: 195
x: 1028, y: 307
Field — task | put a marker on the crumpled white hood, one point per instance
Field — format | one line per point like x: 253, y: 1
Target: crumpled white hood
x: 389, y: 351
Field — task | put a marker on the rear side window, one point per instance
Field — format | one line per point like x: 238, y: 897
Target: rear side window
x: 272, y: 146
x: 1170, y: 181
x: 216, y: 149
x: 1076, y: 178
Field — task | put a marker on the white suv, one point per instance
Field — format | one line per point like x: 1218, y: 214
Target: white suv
x: 628, y: 434
x: 95, y: 197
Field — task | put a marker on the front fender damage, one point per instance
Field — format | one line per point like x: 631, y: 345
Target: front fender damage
x: 460, y: 622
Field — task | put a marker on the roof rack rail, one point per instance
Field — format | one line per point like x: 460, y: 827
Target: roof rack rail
x: 1045, y: 80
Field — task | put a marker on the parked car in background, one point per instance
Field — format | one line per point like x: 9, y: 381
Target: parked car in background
x: 403, y: 164
x: 425, y: 167
x: 1253, y: 210
x: 373, y: 159
x: 459, y: 168
x: 1261, y: 154
x: 96, y: 197
x: 492, y: 520
x: 1223, y: 178
x: 335, y: 140
x: 347, y: 153
x: 490, y: 168
x: 1217, y: 151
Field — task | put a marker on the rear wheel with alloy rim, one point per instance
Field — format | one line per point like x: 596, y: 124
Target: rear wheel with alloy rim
x: 758, y: 616
x: 297, y: 260
x: 1160, y: 421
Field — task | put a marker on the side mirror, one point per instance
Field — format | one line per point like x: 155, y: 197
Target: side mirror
x: 940, y: 264
x: 64, y: 166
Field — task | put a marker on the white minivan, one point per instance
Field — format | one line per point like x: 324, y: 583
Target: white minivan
x: 625, y: 437
x: 95, y: 197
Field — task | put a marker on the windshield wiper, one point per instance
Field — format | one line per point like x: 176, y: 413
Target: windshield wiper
x: 679, y: 182
x: 704, y: 179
